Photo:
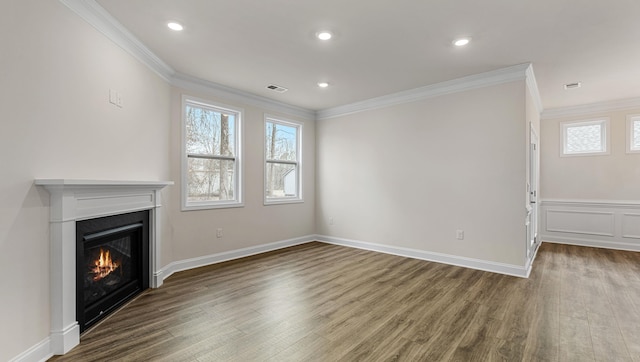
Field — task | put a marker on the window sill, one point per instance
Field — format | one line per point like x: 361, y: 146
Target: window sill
x: 211, y: 206
x: 605, y: 153
x: 283, y: 201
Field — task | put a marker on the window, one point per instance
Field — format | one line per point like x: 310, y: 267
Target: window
x: 211, y: 156
x: 633, y: 134
x: 282, y: 161
x: 585, y: 138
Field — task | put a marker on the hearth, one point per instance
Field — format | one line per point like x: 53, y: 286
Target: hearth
x: 112, y: 256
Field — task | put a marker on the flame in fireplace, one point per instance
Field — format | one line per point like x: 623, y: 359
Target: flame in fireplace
x: 103, y: 265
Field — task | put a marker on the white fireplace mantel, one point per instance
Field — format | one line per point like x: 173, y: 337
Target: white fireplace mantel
x: 73, y: 200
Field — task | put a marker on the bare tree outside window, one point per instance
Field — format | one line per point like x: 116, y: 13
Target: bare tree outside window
x: 282, y: 160
x: 210, y: 142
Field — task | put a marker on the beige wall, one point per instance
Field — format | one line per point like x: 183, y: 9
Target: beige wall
x: 406, y: 176
x: 608, y: 177
x: 254, y: 224
x: 56, y: 122
x: 410, y: 175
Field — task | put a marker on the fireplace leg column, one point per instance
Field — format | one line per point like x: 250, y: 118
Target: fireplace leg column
x: 65, y: 331
x: 156, y: 274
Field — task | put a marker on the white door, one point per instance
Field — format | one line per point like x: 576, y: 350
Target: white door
x: 533, y: 190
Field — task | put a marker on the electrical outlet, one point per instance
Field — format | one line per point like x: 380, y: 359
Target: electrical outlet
x: 112, y: 96
x: 219, y: 233
x: 460, y: 234
x: 330, y: 221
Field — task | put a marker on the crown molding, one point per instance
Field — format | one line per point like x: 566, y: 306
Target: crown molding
x: 495, y: 77
x: 588, y: 109
x: 99, y: 18
x: 191, y: 83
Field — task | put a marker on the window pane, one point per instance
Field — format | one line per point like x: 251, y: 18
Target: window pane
x: 281, y: 142
x: 209, y: 132
x: 282, y: 180
x: 584, y: 138
x: 636, y: 135
x: 209, y: 180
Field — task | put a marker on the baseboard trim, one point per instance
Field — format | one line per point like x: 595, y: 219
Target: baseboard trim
x: 590, y: 243
x: 192, y: 263
x: 533, y: 259
x: 38, y: 353
x: 489, y: 266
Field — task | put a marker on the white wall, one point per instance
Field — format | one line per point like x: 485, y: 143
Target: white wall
x: 409, y: 175
x: 56, y: 122
x: 254, y: 224
x: 591, y: 200
x: 608, y: 177
x: 457, y: 162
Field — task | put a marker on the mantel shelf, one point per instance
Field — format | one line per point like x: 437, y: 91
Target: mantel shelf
x: 72, y: 183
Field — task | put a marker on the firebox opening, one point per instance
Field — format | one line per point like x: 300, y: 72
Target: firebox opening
x: 112, y: 264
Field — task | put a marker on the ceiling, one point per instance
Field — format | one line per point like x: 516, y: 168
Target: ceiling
x: 382, y: 47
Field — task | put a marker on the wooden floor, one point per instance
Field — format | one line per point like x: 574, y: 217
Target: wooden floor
x: 319, y: 302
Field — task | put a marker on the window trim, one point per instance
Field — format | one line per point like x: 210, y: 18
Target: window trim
x: 238, y: 166
x: 604, y: 139
x: 299, y: 163
x: 631, y: 118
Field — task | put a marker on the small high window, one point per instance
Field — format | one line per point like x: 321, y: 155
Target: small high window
x: 283, y: 169
x: 585, y: 138
x: 211, y: 156
x: 633, y: 134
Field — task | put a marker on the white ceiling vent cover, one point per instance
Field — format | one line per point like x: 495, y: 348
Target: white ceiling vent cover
x: 277, y: 88
x: 573, y: 85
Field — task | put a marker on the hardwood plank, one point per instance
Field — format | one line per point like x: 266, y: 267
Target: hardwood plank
x: 608, y: 343
x: 320, y: 302
x: 575, y: 340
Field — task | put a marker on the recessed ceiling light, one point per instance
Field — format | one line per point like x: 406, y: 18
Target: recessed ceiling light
x: 324, y: 35
x: 323, y: 84
x: 573, y: 85
x: 461, y: 42
x: 175, y: 26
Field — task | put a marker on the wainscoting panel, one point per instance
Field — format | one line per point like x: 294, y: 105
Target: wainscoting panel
x: 581, y: 222
x: 601, y: 223
x: 631, y: 226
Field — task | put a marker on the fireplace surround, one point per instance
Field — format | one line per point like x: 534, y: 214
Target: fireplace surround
x: 77, y: 200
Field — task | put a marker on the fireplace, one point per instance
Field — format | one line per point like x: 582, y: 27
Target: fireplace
x: 112, y: 256
x: 71, y: 203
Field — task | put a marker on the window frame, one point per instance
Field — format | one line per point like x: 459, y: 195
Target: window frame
x: 238, y: 168
x: 604, y: 136
x: 631, y: 119
x: 298, y: 198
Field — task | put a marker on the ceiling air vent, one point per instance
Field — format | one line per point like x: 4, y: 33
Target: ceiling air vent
x: 573, y: 85
x: 277, y: 88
